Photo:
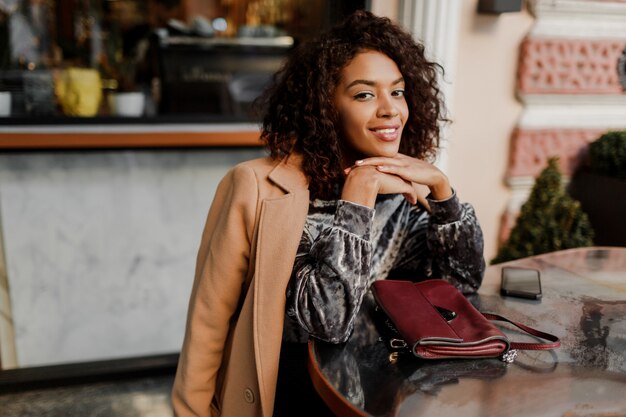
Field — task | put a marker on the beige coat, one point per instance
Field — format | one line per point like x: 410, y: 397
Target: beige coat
x: 229, y: 361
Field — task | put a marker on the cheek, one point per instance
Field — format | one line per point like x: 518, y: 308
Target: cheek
x: 352, y: 121
x: 349, y: 120
x: 405, y: 112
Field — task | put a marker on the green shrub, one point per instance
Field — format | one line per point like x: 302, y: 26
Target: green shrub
x: 549, y: 221
x: 607, y: 155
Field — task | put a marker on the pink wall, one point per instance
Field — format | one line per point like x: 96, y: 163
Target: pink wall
x: 485, y: 112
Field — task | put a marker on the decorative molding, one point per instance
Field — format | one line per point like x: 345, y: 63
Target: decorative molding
x: 579, y: 27
x: 530, y: 149
x: 542, y: 9
x: 520, y: 183
x: 577, y: 114
x: 570, y: 66
x: 578, y: 19
x: 572, y: 100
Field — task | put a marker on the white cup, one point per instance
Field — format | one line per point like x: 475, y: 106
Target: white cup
x: 127, y: 104
x: 5, y: 103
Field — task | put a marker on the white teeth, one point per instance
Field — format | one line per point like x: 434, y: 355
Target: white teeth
x: 385, y: 131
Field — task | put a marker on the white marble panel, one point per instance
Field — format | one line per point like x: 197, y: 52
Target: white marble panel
x: 100, y: 248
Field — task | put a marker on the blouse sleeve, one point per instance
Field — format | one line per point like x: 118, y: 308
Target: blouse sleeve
x: 446, y: 244
x: 330, y: 275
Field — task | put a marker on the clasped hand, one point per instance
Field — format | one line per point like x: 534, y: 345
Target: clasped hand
x: 400, y: 174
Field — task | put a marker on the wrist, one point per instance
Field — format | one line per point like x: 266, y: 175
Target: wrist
x: 441, y: 190
x: 360, y: 189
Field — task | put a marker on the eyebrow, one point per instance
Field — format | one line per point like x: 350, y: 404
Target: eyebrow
x: 372, y: 83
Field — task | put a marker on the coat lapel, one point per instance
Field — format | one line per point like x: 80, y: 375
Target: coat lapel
x: 280, y: 229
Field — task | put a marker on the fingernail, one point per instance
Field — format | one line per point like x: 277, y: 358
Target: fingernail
x: 359, y: 162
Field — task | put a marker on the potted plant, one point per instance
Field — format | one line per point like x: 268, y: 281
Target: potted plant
x: 5, y: 61
x: 600, y: 186
x: 550, y: 220
x: 125, y: 98
x: 5, y: 99
x: 5, y: 102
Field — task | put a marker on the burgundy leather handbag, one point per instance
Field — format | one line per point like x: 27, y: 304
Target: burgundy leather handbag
x: 435, y: 321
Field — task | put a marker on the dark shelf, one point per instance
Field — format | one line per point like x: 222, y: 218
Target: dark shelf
x: 118, y: 120
x: 22, y: 379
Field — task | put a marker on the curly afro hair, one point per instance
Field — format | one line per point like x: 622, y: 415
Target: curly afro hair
x: 299, y: 111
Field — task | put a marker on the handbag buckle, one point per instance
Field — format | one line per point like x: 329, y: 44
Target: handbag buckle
x: 397, y: 343
x: 509, y: 356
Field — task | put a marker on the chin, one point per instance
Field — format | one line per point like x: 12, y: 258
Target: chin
x: 385, y: 154
x: 388, y: 153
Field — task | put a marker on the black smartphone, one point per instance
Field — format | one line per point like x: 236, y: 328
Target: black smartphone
x: 521, y: 282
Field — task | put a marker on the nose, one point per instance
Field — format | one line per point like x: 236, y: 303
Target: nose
x: 386, y: 108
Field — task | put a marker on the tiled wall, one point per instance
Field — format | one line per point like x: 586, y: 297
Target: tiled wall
x: 100, y: 248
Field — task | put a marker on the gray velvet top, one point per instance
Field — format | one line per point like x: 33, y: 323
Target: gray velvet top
x: 345, y: 247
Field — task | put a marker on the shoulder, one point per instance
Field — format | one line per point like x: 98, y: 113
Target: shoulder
x: 249, y: 172
x: 270, y: 174
x: 253, y: 165
x: 258, y: 165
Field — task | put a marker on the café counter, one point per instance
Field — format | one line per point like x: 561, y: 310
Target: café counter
x: 120, y: 132
x: 100, y: 221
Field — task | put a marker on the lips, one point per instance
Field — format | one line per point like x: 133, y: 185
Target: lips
x: 386, y: 133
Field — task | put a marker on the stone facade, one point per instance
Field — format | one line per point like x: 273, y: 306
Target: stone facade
x: 568, y: 81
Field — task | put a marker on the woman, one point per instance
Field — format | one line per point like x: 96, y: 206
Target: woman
x: 293, y: 241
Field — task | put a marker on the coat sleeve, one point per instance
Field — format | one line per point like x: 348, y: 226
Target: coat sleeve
x: 221, y: 270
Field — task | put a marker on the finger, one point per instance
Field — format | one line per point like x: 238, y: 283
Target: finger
x: 410, y: 170
x: 409, y: 192
x: 350, y: 169
x: 378, y: 160
x: 405, y: 172
x: 390, y: 169
x: 410, y: 198
x: 421, y: 191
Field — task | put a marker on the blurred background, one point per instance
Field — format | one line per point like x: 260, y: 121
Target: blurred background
x: 119, y: 117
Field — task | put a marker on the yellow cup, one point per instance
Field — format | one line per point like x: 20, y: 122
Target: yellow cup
x: 79, y: 91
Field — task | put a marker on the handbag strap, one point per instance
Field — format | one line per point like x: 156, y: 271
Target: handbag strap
x: 555, y: 342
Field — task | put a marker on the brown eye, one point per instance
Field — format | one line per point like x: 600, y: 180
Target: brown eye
x: 363, y: 96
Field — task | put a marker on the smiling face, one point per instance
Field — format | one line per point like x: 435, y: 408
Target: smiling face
x: 371, y: 106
